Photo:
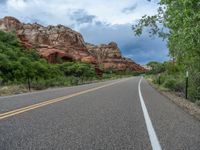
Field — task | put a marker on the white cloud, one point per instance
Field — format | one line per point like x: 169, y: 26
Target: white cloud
x: 58, y: 11
x: 18, y: 5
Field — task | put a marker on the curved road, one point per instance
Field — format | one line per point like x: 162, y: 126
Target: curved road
x: 119, y: 114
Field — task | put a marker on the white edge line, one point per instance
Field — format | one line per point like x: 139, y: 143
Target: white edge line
x: 151, y: 132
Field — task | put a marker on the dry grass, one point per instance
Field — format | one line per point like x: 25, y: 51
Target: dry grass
x: 12, y: 89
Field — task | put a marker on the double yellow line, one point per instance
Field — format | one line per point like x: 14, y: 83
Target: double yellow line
x: 42, y: 104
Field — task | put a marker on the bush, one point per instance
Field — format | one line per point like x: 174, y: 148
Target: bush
x: 198, y: 102
x: 194, y: 86
x: 39, y: 85
x: 77, y: 69
x: 159, y: 79
x: 177, y: 84
x: 169, y: 83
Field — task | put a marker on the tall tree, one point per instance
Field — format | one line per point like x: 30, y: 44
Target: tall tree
x: 181, y: 21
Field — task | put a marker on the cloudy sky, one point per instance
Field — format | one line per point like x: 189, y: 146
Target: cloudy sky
x: 99, y: 21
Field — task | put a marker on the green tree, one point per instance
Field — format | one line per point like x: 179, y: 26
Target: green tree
x: 179, y: 23
x: 156, y: 67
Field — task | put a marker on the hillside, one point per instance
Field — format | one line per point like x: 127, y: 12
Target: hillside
x: 56, y: 43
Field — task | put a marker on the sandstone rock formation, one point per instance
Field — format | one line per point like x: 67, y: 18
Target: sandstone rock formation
x: 50, y: 41
x: 110, y: 57
x: 54, y: 42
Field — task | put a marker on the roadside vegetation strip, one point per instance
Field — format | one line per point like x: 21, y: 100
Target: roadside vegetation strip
x: 151, y: 132
x: 48, y: 102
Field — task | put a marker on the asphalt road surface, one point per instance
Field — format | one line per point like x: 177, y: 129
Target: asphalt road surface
x: 114, y: 115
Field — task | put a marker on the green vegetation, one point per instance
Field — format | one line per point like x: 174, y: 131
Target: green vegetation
x: 168, y: 75
x: 20, y: 66
x: 24, y: 67
x: 110, y: 73
x: 171, y: 75
x: 178, y: 23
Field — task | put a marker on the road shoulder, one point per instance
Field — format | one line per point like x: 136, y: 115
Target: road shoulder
x: 186, y: 105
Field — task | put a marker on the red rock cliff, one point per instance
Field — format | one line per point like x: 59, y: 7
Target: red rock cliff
x: 51, y: 41
x: 110, y: 57
x: 54, y: 42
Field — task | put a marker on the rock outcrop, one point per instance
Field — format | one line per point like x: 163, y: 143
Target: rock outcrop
x: 53, y: 42
x: 110, y: 57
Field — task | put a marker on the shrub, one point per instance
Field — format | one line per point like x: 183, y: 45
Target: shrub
x: 175, y: 84
x: 39, y: 85
x: 194, y: 86
x: 169, y: 83
x: 159, y: 79
x: 179, y: 86
x: 198, y: 102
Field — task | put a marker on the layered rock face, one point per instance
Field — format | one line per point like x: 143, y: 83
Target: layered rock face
x: 53, y: 42
x: 110, y: 57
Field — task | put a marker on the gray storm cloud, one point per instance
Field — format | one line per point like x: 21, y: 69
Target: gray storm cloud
x: 81, y: 16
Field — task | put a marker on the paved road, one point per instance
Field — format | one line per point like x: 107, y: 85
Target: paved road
x: 109, y: 115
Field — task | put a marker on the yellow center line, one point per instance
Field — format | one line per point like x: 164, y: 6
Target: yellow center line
x: 48, y: 102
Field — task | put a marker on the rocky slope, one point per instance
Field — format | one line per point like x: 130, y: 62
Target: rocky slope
x: 110, y: 56
x: 60, y: 42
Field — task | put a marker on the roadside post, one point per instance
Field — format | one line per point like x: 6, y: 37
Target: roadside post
x: 159, y: 82
x: 186, y: 85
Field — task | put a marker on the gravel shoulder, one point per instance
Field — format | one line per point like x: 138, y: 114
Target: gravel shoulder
x: 186, y: 105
